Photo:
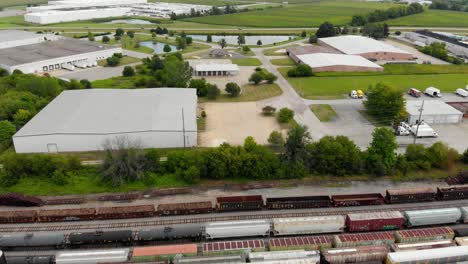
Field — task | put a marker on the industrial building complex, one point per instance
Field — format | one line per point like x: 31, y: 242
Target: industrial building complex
x: 434, y: 112
x: 75, y: 10
x: 30, y: 52
x: 83, y: 120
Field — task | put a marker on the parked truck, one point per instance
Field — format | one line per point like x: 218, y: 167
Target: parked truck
x: 433, y: 92
x: 424, y: 130
x: 68, y: 66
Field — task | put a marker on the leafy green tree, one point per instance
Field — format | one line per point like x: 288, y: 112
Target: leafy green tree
x: 276, y: 138
x: 181, y: 43
x: 233, y: 89
x: 241, y: 40
x: 385, y: 103
x: 21, y: 117
x: 259, y: 42
x: 285, y: 115
x: 303, y: 34
x: 12, y: 101
x: 201, y: 85
x: 383, y: 147
x: 222, y: 43
x: 7, y: 130
x: 245, y: 49
x: 86, y: 83
x: 255, y: 78
x: 105, y: 39
x: 209, y: 39
x: 270, y: 78
x: 301, y: 70
x: 442, y: 156
x: 91, y: 36
x: 374, y: 30
x: 358, y: 20
x: 295, y: 146
x: 74, y: 85
x: 3, y: 72
x: 465, y: 156
x: 155, y: 63
x: 128, y: 71
x: 46, y: 87
x: 326, y: 30
x: 313, y: 39
x: 167, y: 48
x: 131, y: 34
x: 212, y: 91
x: 119, y: 32
x: 113, y: 61
x: 176, y: 72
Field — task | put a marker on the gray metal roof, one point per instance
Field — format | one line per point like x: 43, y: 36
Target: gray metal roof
x: 48, y: 50
x: 431, y: 107
x: 110, y: 111
x: 14, y: 35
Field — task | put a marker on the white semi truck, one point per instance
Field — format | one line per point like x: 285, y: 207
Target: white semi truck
x: 424, y: 130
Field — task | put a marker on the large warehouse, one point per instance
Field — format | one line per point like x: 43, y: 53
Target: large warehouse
x: 366, y: 47
x: 50, y: 54
x: 82, y: 120
x: 329, y: 62
x: 434, y: 112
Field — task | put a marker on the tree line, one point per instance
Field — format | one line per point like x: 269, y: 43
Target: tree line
x: 454, y: 5
x: 382, y: 15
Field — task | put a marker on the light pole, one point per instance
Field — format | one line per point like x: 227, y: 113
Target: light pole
x: 419, y: 122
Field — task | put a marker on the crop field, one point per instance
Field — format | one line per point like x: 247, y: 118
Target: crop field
x: 439, y: 18
x: 302, y: 15
x: 6, y: 3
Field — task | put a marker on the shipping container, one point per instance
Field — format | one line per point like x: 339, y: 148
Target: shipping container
x: 363, y: 239
x: 39, y: 239
x: 452, y: 193
x: 59, y: 215
x: 424, y: 234
x: 111, y: 255
x: 355, y: 255
x: 436, y: 255
x: 305, y: 242
x: 309, y: 225
x: 432, y: 217
x: 16, y: 199
x: 413, y: 195
x: 422, y: 245
x: 171, y: 232
x: 234, y: 259
x: 464, y: 211
x: 357, y: 199
x: 233, y: 247
x: 375, y: 221
x: 101, y: 237
x: 460, y: 231
x: 17, y: 216
x: 64, y: 201
x: 255, y: 257
x: 2, y: 258
x: 138, y: 211
x: 156, y: 253
x: 246, y: 228
x: 185, y: 208
x: 280, y: 203
x: 462, y: 241
x: 239, y: 203
x: 30, y: 260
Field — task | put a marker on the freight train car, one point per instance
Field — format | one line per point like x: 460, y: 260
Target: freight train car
x: 462, y: 241
x: 436, y: 255
x: 16, y: 199
x: 414, y: 195
x: 101, y: 237
x: 31, y: 260
x: 193, y: 231
x: 185, y: 208
x: 424, y: 234
x: 357, y: 199
x: 39, y: 239
x: 363, y: 239
x: 452, y: 193
x: 62, y: 215
x: 364, y: 254
x: 233, y: 247
x: 280, y: 203
x: 460, y: 231
x: 246, y: 228
x: 262, y: 257
x: 375, y: 221
x: 239, y: 203
x: 304, y: 242
x: 92, y: 256
x: 158, y: 253
x: 432, y: 217
x: 464, y: 211
x: 309, y: 225
x: 234, y: 259
x: 422, y: 245
x: 138, y: 211
x: 17, y: 216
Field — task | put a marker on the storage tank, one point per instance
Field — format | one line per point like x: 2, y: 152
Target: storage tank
x: 247, y: 228
x: 171, y: 232
x: 374, y: 221
x: 433, y: 216
x: 437, y: 255
x: 309, y: 225
x: 255, y: 257
x: 355, y: 255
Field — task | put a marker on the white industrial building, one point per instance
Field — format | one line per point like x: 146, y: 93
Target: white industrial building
x: 82, y: 120
x: 434, y: 112
x: 215, y: 69
x: 44, y: 54
x: 60, y: 16
x: 329, y: 62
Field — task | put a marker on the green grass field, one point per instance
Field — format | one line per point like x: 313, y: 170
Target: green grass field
x: 247, y: 62
x: 124, y: 61
x: 324, y: 112
x: 283, y: 62
x: 303, y: 15
x: 439, y: 18
x: 7, y: 3
x: 337, y: 85
x: 249, y: 93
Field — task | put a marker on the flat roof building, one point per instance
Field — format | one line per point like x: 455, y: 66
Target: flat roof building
x: 52, y: 55
x: 329, y: 62
x: 366, y: 47
x: 434, y: 112
x: 82, y: 120
x: 215, y: 69
x: 14, y: 38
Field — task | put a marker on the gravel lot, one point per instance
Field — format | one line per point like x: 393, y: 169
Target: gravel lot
x: 233, y: 122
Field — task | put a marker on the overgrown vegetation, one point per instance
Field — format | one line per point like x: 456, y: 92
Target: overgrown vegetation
x: 438, y: 50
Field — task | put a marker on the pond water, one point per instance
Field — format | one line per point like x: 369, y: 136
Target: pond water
x: 130, y: 21
x: 158, y: 47
x: 249, y: 40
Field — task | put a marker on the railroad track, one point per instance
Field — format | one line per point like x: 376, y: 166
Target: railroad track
x: 134, y: 224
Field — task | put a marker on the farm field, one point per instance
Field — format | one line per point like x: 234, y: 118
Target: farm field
x: 438, y: 18
x: 336, y: 86
x: 7, y: 3
x: 302, y: 15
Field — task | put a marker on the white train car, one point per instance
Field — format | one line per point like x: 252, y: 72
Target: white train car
x: 464, y: 211
x: 231, y: 259
x: 255, y: 257
x: 246, y: 228
x: 2, y: 258
x: 309, y: 225
x: 92, y: 256
x: 436, y: 255
x: 432, y: 217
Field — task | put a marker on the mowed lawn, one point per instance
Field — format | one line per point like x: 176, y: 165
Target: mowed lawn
x: 439, y: 18
x: 301, y: 15
x: 338, y: 86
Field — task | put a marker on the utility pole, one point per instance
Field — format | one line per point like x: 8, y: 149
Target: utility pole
x: 183, y: 126
x: 419, y: 122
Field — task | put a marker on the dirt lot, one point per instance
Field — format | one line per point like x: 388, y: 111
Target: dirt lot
x: 233, y: 122
x: 221, y: 81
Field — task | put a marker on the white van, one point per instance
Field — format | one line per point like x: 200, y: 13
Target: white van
x: 433, y: 92
x: 461, y: 92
